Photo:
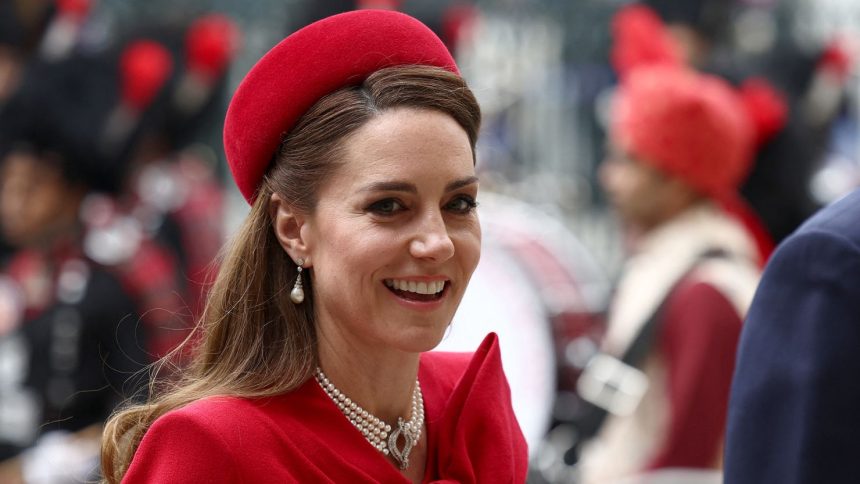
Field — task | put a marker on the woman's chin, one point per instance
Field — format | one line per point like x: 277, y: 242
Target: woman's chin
x: 420, y: 340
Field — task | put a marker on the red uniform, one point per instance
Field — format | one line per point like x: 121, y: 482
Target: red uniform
x: 680, y: 419
x: 70, y: 342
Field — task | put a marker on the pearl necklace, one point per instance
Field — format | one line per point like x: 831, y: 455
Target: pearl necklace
x: 374, y: 429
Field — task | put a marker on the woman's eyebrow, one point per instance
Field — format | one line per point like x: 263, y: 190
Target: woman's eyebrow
x: 457, y: 184
x: 401, y: 186
x: 390, y: 186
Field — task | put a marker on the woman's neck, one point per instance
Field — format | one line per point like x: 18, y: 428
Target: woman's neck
x: 379, y: 380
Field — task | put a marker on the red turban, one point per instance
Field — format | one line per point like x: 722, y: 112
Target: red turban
x: 689, y: 125
x: 323, y: 57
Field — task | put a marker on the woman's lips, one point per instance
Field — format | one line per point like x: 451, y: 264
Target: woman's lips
x: 418, y: 291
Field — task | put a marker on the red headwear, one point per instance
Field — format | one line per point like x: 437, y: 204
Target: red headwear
x: 145, y: 66
x: 765, y: 106
x: 77, y: 9
x: 838, y: 58
x: 689, y: 125
x: 327, y: 55
x: 693, y: 126
x: 210, y: 44
x: 64, y: 30
x: 696, y: 128
x: 640, y: 39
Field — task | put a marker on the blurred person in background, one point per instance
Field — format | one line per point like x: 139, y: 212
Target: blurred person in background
x: 353, y: 140
x: 21, y: 26
x: 793, y: 412
x: 116, y: 234
x: 70, y: 340
x: 680, y: 144
x: 739, y: 42
x: 692, y: 36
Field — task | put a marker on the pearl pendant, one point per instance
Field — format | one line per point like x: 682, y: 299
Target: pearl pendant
x: 297, y: 295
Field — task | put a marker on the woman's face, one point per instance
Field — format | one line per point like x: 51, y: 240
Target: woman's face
x: 395, y: 236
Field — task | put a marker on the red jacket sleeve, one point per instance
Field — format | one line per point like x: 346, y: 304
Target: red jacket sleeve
x: 698, y: 338
x: 181, y: 448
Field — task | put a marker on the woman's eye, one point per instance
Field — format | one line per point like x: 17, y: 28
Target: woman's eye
x: 389, y: 206
x: 462, y: 204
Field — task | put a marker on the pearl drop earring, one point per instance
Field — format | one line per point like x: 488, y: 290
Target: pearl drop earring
x: 297, y: 295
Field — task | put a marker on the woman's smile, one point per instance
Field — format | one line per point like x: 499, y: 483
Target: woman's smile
x: 420, y: 294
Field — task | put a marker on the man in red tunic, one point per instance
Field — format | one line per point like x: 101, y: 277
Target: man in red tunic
x: 680, y: 144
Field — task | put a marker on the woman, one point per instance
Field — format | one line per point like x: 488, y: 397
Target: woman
x: 353, y: 140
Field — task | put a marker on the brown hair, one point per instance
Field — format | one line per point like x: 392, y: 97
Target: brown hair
x: 254, y: 342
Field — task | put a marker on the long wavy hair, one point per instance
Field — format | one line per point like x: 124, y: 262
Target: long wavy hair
x: 252, y: 341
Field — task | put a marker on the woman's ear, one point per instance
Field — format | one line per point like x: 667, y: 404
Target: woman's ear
x: 287, y: 222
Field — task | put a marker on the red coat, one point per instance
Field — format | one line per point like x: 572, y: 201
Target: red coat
x: 301, y: 436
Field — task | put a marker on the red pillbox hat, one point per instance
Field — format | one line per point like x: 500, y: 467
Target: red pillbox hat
x: 321, y: 58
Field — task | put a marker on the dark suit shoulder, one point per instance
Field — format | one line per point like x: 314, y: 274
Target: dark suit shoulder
x: 842, y: 217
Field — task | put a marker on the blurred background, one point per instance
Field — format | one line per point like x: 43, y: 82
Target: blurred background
x: 115, y: 190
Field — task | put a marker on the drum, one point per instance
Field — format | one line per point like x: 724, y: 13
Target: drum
x: 542, y: 293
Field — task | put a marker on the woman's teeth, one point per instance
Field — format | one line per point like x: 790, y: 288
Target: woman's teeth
x: 433, y: 287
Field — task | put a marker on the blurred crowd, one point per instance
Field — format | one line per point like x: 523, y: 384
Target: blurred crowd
x: 111, y: 214
x: 660, y: 148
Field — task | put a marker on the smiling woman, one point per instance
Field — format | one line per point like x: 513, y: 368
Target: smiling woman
x: 367, y: 208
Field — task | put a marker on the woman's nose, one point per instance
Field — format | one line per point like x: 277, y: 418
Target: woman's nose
x: 432, y: 240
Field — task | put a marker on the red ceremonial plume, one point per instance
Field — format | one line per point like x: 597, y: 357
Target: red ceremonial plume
x: 145, y: 67
x: 837, y: 58
x: 641, y: 39
x: 74, y: 8
x: 766, y: 107
x: 210, y: 45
